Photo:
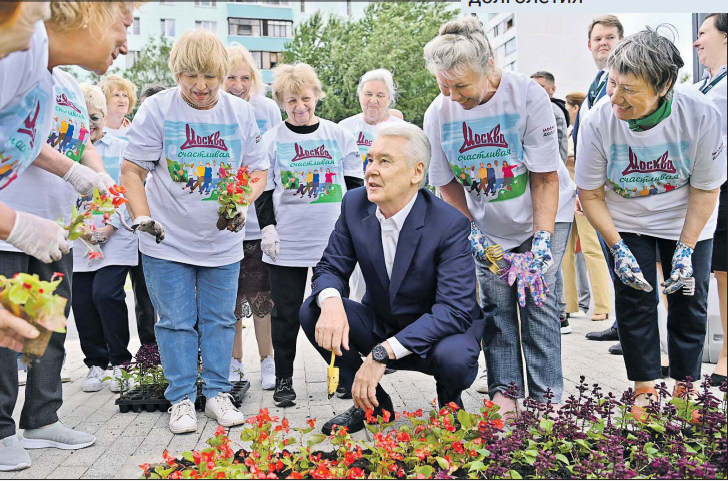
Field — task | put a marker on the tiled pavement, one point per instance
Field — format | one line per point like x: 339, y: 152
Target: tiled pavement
x: 126, y: 440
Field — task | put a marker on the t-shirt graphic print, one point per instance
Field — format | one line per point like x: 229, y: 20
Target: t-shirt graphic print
x: 309, y: 173
x: 70, y: 130
x: 486, y: 156
x: 641, y: 171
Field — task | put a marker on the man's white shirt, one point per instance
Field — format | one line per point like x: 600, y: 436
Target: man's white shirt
x: 390, y: 237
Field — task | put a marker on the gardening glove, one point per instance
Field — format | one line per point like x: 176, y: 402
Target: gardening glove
x: 238, y: 220
x: 41, y: 238
x: 519, y: 272
x: 627, y: 269
x: 270, y: 244
x: 682, y: 268
x: 83, y: 179
x: 107, y: 180
x: 102, y: 234
x: 478, y: 243
x: 146, y: 224
x: 541, y: 249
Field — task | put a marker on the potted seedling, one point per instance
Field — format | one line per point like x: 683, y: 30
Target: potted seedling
x: 234, y: 190
x: 31, y: 299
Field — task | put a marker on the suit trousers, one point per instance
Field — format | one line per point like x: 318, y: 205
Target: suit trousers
x: 596, y: 265
x: 452, y: 361
x: 43, y: 393
x: 146, y: 317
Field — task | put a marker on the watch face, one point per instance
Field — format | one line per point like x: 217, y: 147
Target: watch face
x: 379, y: 353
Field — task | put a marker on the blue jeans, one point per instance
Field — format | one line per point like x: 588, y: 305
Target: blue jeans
x: 540, y: 329
x: 182, y: 294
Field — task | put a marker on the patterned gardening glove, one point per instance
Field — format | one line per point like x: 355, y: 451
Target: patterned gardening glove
x: 541, y: 249
x: 627, y: 268
x: 519, y: 271
x: 478, y: 243
x: 682, y: 268
x: 146, y: 224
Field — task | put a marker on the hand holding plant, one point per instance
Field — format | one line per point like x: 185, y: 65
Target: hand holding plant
x: 233, y: 194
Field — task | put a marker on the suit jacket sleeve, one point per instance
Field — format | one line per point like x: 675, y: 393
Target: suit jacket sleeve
x: 455, y: 300
x: 338, y: 261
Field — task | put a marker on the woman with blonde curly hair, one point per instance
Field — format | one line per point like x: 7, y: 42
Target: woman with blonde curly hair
x: 193, y: 132
x: 121, y: 97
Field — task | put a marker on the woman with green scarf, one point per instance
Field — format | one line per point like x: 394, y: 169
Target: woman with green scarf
x: 653, y: 161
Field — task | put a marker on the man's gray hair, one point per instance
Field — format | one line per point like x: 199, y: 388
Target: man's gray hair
x: 461, y: 47
x: 417, y: 147
x: 650, y: 56
x: 385, y: 76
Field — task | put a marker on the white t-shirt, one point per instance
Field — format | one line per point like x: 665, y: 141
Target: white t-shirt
x: 120, y: 132
x: 122, y: 247
x: 308, y: 178
x: 26, y: 106
x: 719, y: 96
x: 650, y: 173
x: 37, y: 191
x: 267, y: 114
x: 491, y: 148
x: 187, y: 151
x: 364, y: 133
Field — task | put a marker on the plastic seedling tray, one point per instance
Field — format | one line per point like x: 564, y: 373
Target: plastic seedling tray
x: 137, y: 401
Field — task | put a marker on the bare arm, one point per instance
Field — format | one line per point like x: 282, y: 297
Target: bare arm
x: 545, y: 195
x: 595, y: 207
x: 454, y: 195
x: 50, y: 160
x: 7, y: 220
x: 700, y: 207
x: 91, y: 158
x: 132, y: 178
x: 258, y: 185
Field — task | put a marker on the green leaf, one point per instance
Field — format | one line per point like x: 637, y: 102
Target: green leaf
x: 530, y: 456
x: 315, y: 439
x: 562, y: 458
x: 426, y: 471
x: 373, y: 428
x: 464, y: 419
x: 515, y: 474
x: 188, y: 456
x: 547, y: 425
x: 443, y: 463
x: 476, y: 465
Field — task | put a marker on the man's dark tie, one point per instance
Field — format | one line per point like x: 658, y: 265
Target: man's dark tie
x: 593, y: 94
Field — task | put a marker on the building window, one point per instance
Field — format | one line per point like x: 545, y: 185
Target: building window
x: 135, y: 28
x: 266, y: 60
x: 510, y: 23
x: 168, y: 27
x: 501, y: 52
x: 207, y: 25
x: 496, y: 31
x: 131, y: 58
x: 246, y: 27
x: 257, y: 57
x: 199, y: 3
x: 309, y: 7
x: 277, y: 28
x: 511, y: 66
x: 510, y: 46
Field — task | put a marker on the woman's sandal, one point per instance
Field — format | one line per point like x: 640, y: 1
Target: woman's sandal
x: 600, y: 317
x: 682, y: 392
x: 639, y: 413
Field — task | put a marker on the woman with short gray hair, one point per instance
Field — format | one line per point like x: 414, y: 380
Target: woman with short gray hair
x: 659, y: 150
x: 496, y: 158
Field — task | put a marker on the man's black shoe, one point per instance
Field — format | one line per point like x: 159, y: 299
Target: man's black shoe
x: 610, y: 334
x: 343, y: 393
x: 616, y: 349
x: 389, y: 371
x: 354, y: 417
x: 284, y: 395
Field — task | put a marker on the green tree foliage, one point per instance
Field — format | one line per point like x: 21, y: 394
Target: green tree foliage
x: 390, y: 35
x: 151, y: 65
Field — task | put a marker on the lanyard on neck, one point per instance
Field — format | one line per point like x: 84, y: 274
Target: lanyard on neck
x: 707, y: 88
x: 593, y: 94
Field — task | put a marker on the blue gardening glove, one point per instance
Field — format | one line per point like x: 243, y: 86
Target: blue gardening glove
x: 627, y: 268
x: 541, y: 249
x: 682, y: 268
x: 478, y: 243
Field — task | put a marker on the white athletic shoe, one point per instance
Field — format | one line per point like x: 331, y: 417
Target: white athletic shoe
x: 268, y: 373
x: 221, y: 408
x: 94, y: 380
x: 481, y: 383
x: 65, y: 374
x: 237, y: 371
x: 184, y: 417
x: 115, y: 384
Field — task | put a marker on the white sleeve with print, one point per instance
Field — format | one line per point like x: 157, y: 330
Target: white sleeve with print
x: 440, y: 172
x: 146, y: 136
x: 540, y: 139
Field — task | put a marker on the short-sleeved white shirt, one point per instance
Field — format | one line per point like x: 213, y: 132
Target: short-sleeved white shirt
x: 307, y: 177
x: 123, y: 246
x: 267, y: 115
x: 26, y: 106
x: 187, y: 151
x: 649, y: 173
x: 719, y: 96
x: 365, y: 133
x: 491, y: 149
x: 37, y: 191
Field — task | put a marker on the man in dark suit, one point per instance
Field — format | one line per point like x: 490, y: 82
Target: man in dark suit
x: 419, y: 312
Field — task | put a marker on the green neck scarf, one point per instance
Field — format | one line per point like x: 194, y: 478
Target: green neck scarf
x: 662, y: 112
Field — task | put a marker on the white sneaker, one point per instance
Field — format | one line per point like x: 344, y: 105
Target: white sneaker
x: 222, y: 409
x: 22, y: 377
x: 481, y: 384
x: 94, y: 380
x: 184, y: 417
x: 115, y: 384
x: 268, y: 373
x: 65, y: 374
x: 237, y: 371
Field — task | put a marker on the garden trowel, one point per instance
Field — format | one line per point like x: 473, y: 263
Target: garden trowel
x: 333, y: 375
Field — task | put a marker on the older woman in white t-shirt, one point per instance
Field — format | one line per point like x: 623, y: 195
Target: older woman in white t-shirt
x: 194, y: 130
x: 245, y: 82
x: 658, y: 149
x: 323, y: 159
x: 121, y: 97
x: 498, y: 127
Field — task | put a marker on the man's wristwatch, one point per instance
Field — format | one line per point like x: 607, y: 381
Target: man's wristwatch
x: 380, y: 354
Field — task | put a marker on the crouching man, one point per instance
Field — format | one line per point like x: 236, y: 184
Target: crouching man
x: 419, y: 312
